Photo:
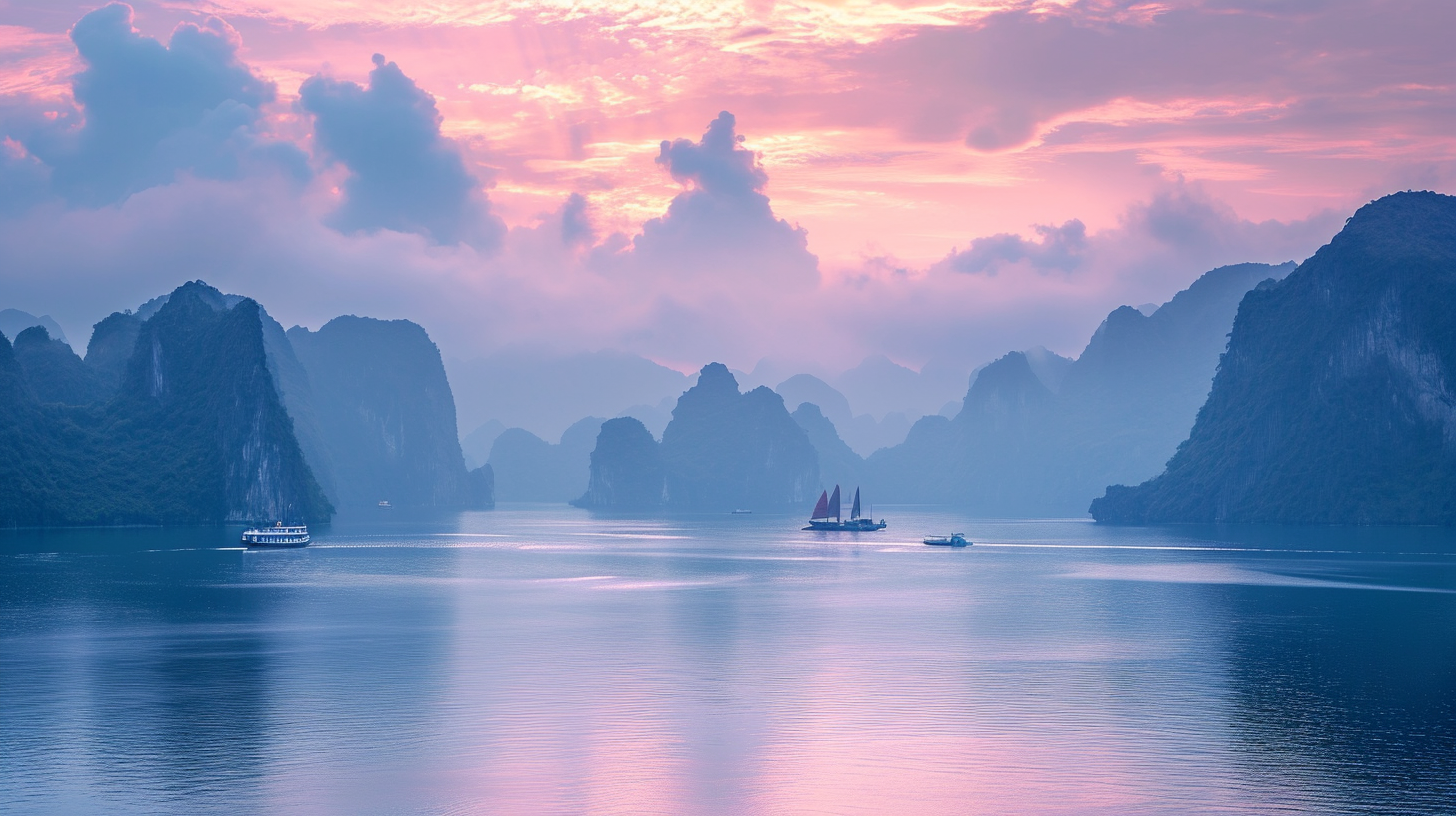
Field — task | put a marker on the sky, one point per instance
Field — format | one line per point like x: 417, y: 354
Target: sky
x: 811, y: 181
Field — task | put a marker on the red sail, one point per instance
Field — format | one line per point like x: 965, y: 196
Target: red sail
x: 833, y: 505
x: 821, y: 510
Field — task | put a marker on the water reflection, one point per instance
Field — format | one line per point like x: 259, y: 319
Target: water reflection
x: 1346, y: 699
x: 544, y: 661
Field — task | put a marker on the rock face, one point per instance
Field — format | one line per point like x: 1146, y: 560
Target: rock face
x: 1335, y: 402
x: 1040, y: 436
x: 195, y: 433
x: 112, y: 342
x: 626, y: 469
x: 724, y: 450
x: 199, y: 376
x: 385, y: 414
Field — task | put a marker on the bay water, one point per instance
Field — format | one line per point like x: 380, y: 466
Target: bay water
x: 539, y: 659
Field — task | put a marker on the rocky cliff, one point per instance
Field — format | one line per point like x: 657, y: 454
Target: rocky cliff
x: 195, y: 433
x: 725, y: 450
x: 208, y: 420
x: 385, y: 414
x: 626, y: 469
x: 112, y: 342
x: 1335, y: 400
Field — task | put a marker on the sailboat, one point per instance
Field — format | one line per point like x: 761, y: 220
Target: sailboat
x: 827, y: 515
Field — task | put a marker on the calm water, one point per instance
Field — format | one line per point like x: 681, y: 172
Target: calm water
x: 537, y: 660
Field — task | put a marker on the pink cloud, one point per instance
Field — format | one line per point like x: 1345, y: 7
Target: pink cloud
x: 882, y: 147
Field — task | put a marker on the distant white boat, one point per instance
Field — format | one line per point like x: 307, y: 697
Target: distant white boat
x: 742, y: 512
x: 277, y: 536
x: 384, y: 505
x: 952, y: 540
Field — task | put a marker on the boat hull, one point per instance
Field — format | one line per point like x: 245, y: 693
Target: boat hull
x: 853, y: 525
x: 278, y: 537
x: 275, y: 545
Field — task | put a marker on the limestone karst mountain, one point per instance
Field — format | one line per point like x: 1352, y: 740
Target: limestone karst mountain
x: 626, y: 469
x: 727, y: 450
x: 1334, y: 402
x: 1038, y: 436
x: 195, y: 432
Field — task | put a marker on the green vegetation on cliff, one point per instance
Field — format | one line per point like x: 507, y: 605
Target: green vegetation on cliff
x: 1334, y: 402
x: 195, y: 433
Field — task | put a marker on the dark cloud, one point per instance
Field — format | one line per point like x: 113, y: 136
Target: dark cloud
x: 153, y: 110
x: 723, y: 224
x: 404, y: 175
x: 1060, y: 248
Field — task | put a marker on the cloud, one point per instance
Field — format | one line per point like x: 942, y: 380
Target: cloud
x: 1188, y: 221
x: 403, y: 174
x: 154, y: 110
x: 1060, y: 248
x: 576, y: 226
x: 715, y: 272
x: 24, y: 180
x: 722, y: 226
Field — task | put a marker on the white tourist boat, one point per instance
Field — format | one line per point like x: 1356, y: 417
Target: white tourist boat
x: 277, y: 536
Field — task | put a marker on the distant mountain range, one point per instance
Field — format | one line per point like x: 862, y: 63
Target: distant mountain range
x: 1329, y: 402
x: 545, y: 393
x: 1041, y: 435
x: 1037, y: 434
x: 199, y: 408
x: 529, y: 469
x: 724, y: 450
x: 1335, y: 402
x: 14, y: 321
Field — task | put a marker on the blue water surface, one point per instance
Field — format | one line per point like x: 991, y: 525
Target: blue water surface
x: 537, y: 659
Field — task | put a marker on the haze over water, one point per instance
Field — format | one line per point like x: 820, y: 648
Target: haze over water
x: 540, y: 660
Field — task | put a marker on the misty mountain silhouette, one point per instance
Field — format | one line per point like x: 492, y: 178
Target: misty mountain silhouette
x: 1038, y: 436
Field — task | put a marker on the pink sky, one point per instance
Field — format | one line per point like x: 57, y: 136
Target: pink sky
x: 1181, y: 135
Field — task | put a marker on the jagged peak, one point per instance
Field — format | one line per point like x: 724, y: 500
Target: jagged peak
x: 199, y: 290
x: 716, y: 377
x: 1011, y: 370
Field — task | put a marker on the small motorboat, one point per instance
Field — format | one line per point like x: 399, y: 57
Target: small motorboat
x: 385, y: 505
x: 952, y: 540
x: 741, y: 513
